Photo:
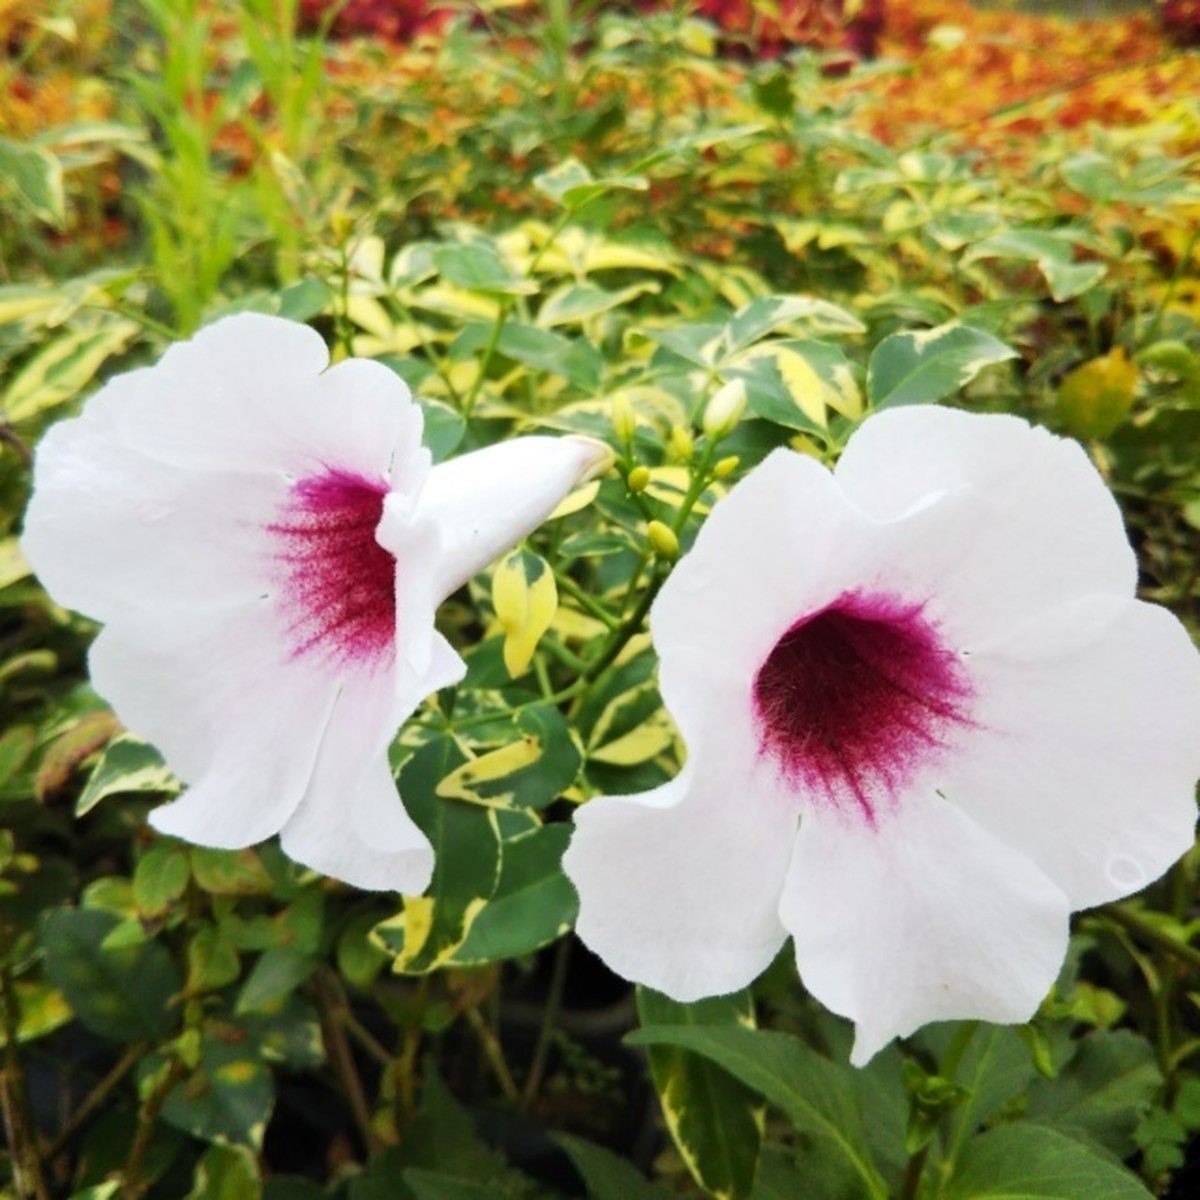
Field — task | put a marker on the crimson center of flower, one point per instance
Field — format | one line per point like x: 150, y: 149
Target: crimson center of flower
x: 337, y: 584
x: 855, y: 699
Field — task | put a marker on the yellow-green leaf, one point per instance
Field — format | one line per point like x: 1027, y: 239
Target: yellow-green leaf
x: 525, y: 598
x: 462, y: 783
x: 1095, y: 398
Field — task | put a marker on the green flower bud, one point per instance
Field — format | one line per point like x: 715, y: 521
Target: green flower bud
x: 663, y: 539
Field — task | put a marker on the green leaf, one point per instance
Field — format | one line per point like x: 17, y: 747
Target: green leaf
x: 578, y: 302
x: 36, y: 174
x: 806, y: 314
x: 607, y: 1176
x: 41, y: 1009
x: 1053, y: 252
x: 277, y: 973
x: 531, y: 771
x: 716, y: 1121
x: 817, y: 1095
x: 160, y: 878
x: 444, y: 428
x: 120, y: 993
x: 1102, y: 1093
x: 304, y: 299
x: 62, y: 368
x: 926, y: 366
x: 1030, y: 1162
x: 572, y: 185
x: 127, y: 765
x: 466, y: 845
x: 213, y: 961
x: 441, y: 1185
x: 228, y: 1098
x: 533, y: 905
x: 479, y: 267
x: 231, y: 872
x: 226, y: 1173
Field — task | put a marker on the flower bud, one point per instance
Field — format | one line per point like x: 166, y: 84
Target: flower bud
x: 681, y: 443
x: 624, y: 420
x: 726, y: 467
x: 638, y: 479
x: 663, y: 539
x: 725, y: 410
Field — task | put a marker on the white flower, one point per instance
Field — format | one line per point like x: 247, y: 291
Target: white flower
x: 266, y: 542
x: 925, y: 718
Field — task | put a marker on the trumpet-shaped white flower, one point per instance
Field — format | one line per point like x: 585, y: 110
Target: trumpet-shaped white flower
x: 925, y: 720
x: 266, y: 542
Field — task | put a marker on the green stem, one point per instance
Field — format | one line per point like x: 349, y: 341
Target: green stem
x: 541, y: 1050
x: 585, y: 601
x: 135, y: 1164
x: 1149, y: 933
x: 494, y: 1054
x: 1172, y: 285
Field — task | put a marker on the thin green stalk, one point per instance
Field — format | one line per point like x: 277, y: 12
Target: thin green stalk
x: 494, y: 1054
x: 1181, y: 269
x: 134, y: 1185
x: 537, y: 1067
x: 1149, y: 933
x: 948, y: 1069
x: 585, y: 601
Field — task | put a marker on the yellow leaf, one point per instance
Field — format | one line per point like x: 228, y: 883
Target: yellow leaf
x: 525, y: 598
x: 1095, y: 398
x: 581, y: 497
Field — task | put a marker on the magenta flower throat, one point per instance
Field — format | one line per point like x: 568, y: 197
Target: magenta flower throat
x: 853, y: 700
x: 338, y: 585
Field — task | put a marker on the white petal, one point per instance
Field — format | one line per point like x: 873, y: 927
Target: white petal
x: 783, y: 543
x: 927, y: 918
x: 161, y: 491
x: 351, y: 824
x: 1088, y: 745
x: 110, y: 530
x: 484, y: 502
x: 678, y: 887
x: 235, y: 719
x: 1040, y: 526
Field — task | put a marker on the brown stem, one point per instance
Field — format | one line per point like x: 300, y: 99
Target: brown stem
x: 341, y: 1058
x: 28, y: 1174
x: 94, y: 1099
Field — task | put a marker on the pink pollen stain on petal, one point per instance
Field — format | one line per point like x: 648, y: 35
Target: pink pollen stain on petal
x: 337, y: 585
x: 853, y: 700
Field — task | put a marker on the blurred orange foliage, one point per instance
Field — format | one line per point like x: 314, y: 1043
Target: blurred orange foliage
x: 1003, y: 79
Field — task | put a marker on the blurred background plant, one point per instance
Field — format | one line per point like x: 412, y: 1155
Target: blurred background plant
x: 589, y: 218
